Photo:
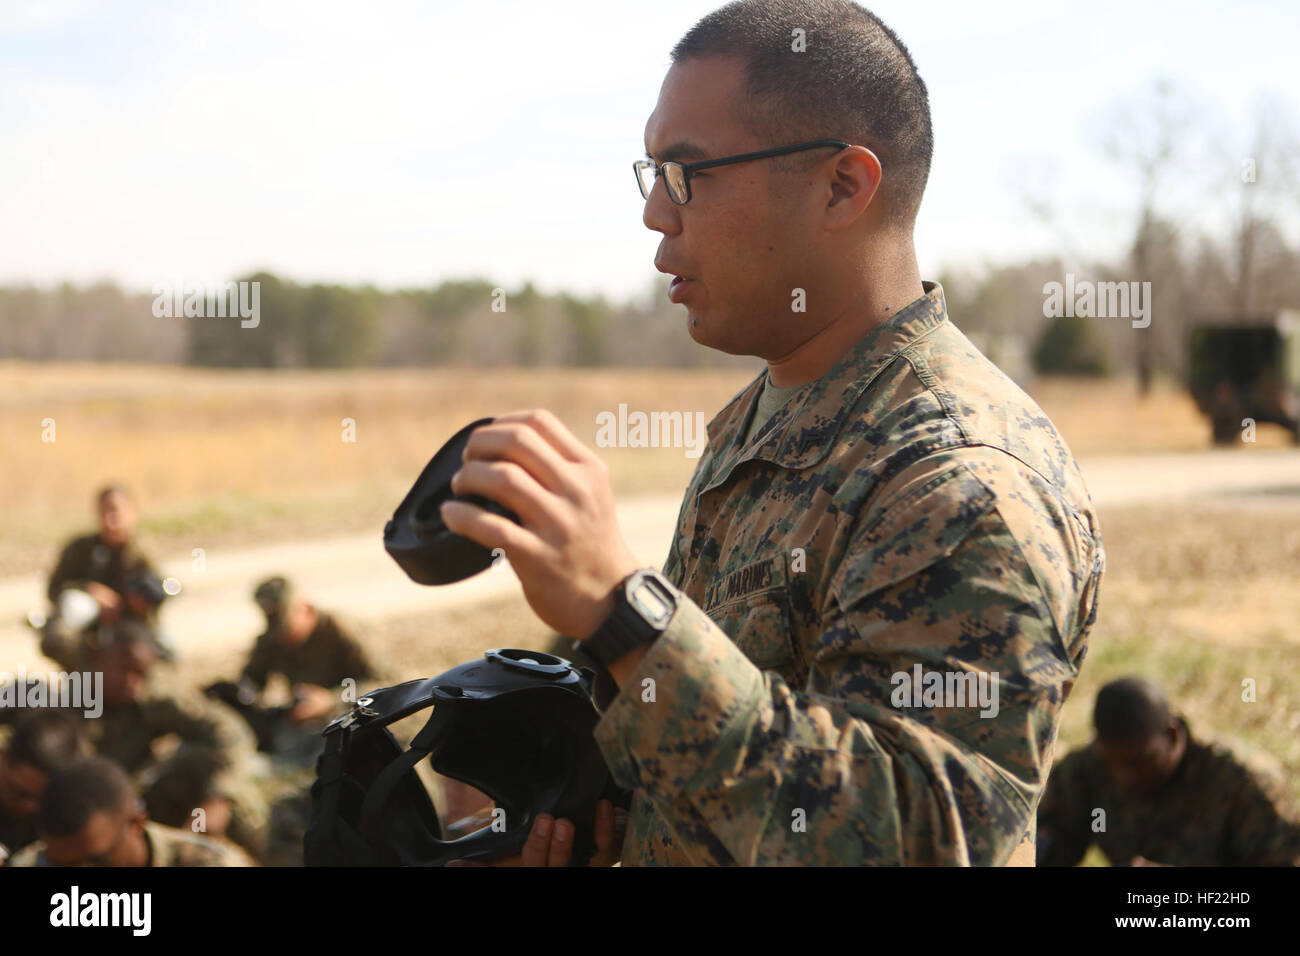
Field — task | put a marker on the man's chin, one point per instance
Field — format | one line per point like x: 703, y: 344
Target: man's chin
x: 695, y: 325
x: 704, y: 333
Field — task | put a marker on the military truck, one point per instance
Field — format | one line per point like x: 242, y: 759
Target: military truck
x: 1247, y: 370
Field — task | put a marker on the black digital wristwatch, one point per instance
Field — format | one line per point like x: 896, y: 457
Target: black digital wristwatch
x: 644, y: 603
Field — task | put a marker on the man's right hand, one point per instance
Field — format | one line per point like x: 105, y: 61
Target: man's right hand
x: 109, y: 601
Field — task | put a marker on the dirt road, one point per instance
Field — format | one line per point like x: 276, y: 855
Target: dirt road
x: 354, y: 575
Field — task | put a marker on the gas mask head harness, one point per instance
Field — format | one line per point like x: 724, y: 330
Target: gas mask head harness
x: 515, y: 724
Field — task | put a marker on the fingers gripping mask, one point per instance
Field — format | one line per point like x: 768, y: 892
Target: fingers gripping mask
x: 416, y: 537
x: 514, y: 724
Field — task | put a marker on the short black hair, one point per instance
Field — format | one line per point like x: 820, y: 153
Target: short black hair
x: 79, y: 790
x: 113, y: 489
x: 1130, y: 710
x: 854, y: 80
x: 45, y: 740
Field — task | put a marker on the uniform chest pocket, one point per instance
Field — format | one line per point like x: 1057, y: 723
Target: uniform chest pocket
x: 752, y: 606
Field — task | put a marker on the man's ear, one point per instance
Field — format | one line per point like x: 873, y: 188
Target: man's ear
x: 1170, y: 736
x: 855, y: 182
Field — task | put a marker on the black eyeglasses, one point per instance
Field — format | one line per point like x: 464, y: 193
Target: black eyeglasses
x: 677, y: 176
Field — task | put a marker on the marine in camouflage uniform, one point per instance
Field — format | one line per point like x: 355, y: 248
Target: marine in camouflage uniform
x: 326, y: 659
x: 84, y: 560
x: 88, y: 558
x: 316, y: 653
x: 41, y: 741
x: 1190, y: 804
x: 912, y: 506
x: 214, y: 756
x: 180, y: 748
x: 110, y: 558
x: 168, y: 846
x: 329, y: 655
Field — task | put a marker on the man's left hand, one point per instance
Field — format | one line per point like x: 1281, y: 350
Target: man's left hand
x: 314, y: 703
x: 568, y: 551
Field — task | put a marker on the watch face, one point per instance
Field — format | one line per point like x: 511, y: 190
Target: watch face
x: 655, y: 607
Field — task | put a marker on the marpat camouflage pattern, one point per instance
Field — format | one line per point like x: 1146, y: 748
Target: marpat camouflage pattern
x: 911, y: 506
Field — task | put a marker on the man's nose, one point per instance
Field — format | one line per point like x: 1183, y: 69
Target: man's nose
x: 661, y: 214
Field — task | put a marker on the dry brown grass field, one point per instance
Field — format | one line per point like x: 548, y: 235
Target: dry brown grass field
x: 260, y: 455
x: 255, y: 455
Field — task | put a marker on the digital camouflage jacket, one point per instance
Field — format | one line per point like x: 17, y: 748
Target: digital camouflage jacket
x: 912, y: 513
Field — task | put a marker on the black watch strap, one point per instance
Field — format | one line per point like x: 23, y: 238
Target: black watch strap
x: 644, y: 603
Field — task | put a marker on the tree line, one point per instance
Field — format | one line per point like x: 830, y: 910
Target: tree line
x: 1207, y: 242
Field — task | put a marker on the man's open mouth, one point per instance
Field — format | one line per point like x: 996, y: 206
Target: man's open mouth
x: 679, y: 287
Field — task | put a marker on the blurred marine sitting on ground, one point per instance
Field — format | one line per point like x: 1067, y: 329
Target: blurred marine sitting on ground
x: 1146, y: 792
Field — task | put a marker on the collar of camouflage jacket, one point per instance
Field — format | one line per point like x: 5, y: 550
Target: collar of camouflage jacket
x: 803, y: 432
x: 160, y: 850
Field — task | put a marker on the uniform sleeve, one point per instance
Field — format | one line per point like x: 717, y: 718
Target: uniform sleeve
x: 67, y: 572
x: 61, y: 645
x: 260, y: 663
x: 31, y: 855
x: 200, y: 722
x: 142, y: 564
x: 1259, y: 833
x: 747, y: 769
x: 352, y: 659
x: 1065, y: 813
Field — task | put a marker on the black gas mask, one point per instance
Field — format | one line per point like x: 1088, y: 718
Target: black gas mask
x: 515, y: 725
x: 416, y: 538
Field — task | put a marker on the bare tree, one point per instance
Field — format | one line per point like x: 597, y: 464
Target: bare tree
x: 1151, y: 135
x: 1267, y: 182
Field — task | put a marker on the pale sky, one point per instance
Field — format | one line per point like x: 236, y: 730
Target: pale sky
x: 402, y: 143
